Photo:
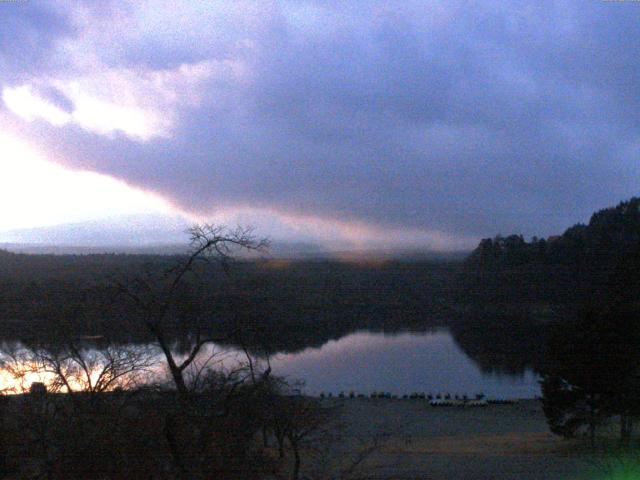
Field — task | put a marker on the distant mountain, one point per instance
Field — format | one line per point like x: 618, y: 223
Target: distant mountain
x: 165, y: 234
x: 129, y: 231
x: 147, y: 234
x: 45, y: 249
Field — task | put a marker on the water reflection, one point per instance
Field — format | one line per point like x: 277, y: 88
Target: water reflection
x: 400, y: 363
x: 363, y: 361
x: 72, y: 367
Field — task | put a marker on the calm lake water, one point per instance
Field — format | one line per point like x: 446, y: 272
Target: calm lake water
x: 398, y: 363
x: 363, y: 362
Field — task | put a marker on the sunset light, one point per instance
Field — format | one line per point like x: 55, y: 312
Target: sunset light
x: 41, y: 193
x: 319, y: 239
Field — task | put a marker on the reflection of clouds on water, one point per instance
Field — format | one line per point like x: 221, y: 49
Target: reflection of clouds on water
x: 10, y: 384
x: 18, y: 371
x: 357, y: 348
x: 75, y: 366
x: 364, y: 361
x: 430, y: 362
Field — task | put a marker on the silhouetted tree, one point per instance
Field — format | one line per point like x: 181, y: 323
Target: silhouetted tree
x: 182, y: 294
x: 296, y: 419
x: 591, y: 371
x: 564, y: 406
x: 73, y: 366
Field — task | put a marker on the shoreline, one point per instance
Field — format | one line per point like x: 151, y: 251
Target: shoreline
x: 414, y: 440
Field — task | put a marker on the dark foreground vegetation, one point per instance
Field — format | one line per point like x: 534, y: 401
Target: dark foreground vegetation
x: 565, y: 306
x: 98, y: 413
x: 229, y: 427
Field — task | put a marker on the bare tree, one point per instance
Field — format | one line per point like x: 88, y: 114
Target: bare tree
x: 178, y: 303
x: 158, y: 297
x: 43, y: 424
x: 296, y: 419
x: 72, y: 367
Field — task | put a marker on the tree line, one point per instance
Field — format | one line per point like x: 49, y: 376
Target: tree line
x: 580, y: 291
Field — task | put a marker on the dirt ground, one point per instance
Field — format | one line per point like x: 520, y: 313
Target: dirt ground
x: 409, y: 439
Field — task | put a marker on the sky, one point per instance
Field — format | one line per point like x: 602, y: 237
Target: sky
x: 368, y: 124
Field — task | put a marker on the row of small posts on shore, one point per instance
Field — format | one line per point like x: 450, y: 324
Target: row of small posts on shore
x: 437, y: 400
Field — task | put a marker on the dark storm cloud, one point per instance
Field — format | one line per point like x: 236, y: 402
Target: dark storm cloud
x: 467, y: 118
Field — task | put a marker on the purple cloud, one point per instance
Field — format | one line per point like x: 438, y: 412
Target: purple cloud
x: 465, y: 119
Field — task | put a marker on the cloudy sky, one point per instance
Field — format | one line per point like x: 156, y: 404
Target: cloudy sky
x: 374, y: 123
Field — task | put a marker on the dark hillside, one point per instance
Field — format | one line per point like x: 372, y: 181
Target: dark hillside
x: 513, y: 291
x: 586, y: 261
x: 288, y: 305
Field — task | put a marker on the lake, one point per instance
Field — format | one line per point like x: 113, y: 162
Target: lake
x: 429, y: 362
x: 364, y: 362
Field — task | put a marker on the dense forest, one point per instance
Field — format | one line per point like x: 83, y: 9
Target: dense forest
x: 585, y: 261
x: 498, y: 302
x: 290, y: 305
x: 513, y: 293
